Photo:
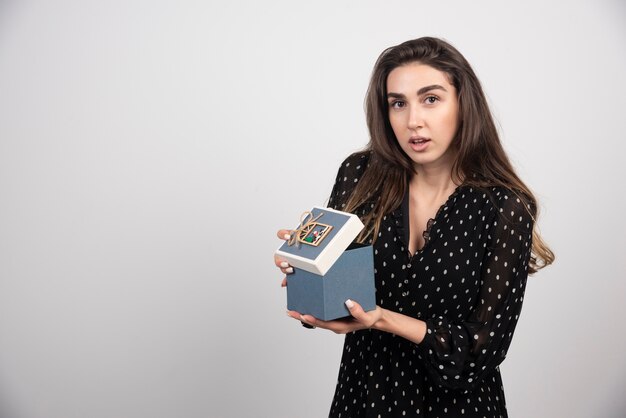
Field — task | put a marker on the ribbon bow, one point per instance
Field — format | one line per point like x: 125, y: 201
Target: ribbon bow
x: 294, y: 237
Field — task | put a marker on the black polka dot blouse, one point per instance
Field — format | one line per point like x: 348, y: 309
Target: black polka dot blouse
x: 467, y: 283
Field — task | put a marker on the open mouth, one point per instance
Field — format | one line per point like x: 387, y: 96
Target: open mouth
x: 419, y: 143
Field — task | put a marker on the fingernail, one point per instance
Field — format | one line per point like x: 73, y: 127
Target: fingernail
x: 349, y: 304
x: 302, y: 318
x: 287, y: 236
x: 289, y: 270
x: 284, y: 264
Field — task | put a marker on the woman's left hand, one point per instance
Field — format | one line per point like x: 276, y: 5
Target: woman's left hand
x: 359, y: 319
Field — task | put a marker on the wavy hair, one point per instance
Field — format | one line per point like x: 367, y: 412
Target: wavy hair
x: 480, y: 160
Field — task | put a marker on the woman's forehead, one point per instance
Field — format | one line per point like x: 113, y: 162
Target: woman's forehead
x: 416, y: 75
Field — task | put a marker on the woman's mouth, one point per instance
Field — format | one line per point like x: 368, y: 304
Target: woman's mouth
x: 419, y: 143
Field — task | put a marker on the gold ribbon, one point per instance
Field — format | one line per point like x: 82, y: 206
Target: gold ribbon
x: 294, y: 236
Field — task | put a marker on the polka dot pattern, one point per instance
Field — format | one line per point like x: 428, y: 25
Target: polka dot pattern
x: 467, y: 283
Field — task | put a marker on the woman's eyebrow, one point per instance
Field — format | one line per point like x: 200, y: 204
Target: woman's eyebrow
x: 421, y: 91
x: 429, y: 88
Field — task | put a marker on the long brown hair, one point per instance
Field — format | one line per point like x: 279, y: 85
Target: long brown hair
x: 480, y: 159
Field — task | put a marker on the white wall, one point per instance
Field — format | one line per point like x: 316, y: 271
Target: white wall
x: 150, y: 149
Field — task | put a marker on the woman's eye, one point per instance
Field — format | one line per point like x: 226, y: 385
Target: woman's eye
x: 432, y: 99
x: 398, y: 104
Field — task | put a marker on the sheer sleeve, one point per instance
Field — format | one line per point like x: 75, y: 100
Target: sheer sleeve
x: 348, y: 176
x: 458, y: 354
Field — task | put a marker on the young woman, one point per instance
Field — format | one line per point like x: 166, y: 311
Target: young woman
x: 454, y: 237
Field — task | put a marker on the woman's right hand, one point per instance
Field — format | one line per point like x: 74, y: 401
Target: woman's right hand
x: 283, y: 265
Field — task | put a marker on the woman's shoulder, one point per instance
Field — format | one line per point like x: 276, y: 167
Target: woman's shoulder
x: 357, y: 161
x: 348, y: 176
x: 353, y: 167
x: 507, y: 202
x: 498, y: 196
x: 512, y: 200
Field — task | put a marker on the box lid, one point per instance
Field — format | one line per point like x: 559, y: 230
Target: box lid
x: 320, y: 239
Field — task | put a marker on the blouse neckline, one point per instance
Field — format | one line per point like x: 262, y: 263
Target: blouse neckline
x: 403, y: 226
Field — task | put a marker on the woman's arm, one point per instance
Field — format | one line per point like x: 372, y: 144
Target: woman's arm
x: 459, y: 353
x: 380, y: 319
x: 401, y: 325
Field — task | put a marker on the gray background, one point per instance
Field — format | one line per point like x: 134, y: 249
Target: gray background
x: 150, y: 149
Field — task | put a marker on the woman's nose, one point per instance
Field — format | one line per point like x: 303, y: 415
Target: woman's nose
x: 415, y: 118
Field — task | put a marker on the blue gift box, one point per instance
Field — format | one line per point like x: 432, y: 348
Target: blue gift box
x: 328, y: 267
x: 350, y: 277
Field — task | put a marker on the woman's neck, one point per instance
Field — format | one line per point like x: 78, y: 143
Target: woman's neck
x: 433, y: 180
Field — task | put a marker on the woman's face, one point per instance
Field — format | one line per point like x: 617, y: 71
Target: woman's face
x: 423, y: 112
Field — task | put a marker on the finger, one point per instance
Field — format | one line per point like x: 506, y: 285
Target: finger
x: 284, y: 234
x: 311, y: 320
x: 307, y: 319
x: 283, y: 265
x: 356, y: 310
x: 280, y: 262
x: 294, y: 315
x: 288, y: 270
x: 284, y: 282
x: 339, y: 326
